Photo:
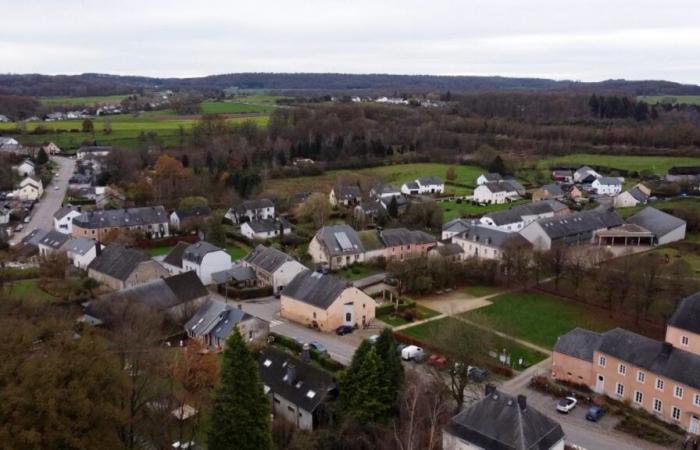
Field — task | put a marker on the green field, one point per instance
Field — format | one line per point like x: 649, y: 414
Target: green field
x: 358, y: 271
x: 452, y: 209
x: 87, y: 101
x: 539, y: 318
x: 246, y: 104
x: 236, y: 251
x: 657, y: 164
x: 28, y: 289
x: 671, y: 99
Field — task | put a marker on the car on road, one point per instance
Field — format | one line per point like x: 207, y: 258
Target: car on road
x: 412, y: 352
x: 343, y: 330
x: 477, y: 373
x: 565, y: 405
x: 318, y: 347
x: 594, y: 413
x: 437, y: 361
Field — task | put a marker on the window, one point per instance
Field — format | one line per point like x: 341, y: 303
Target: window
x: 657, y: 405
x: 290, y: 409
x: 676, y: 413
x: 684, y: 340
x: 601, y: 361
x: 696, y: 400
x: 621, y: 369
x: 641, y: 376
x: 678, y: 392
x: 638, y: 397
x: 659, y: 384
x: 348, y: 317
x: 620, y: 390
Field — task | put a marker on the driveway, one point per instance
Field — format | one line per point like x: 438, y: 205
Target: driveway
x: 42, y: 213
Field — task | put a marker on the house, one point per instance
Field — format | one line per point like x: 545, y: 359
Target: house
x: 215, y: 320
x: 8, y: 144
x: 456, y: 226
x: 259, y: 209
x: 574, y: 193
x: 336, y: 246
x: 496, y: 192
x: 51, y: 148
x: 402, y: 203
x: 63, y: 218
x: 4, y: 119
x: 297, y: 389
x: 325, y: 302
x: 585, y: 175
x: 25, y: 169
x: 520, y: 216
x: 577, y: 228
x: 384, y: 191
x: 81, y: 251
x: 659, y: 377
x: 30, y: 189
x: 52, y: 243
x: 265, y: 229
x: 5, y: 212
x: 119, y: 267
x: 562, y: 176
x: 547, y: 192
x: 488, y: 178
x: 424, y: 185
x: 184, y: 219
x: 448, y: 252
x: 345, y: 195
x: 202, y: 258
x: 238, y: 276
x: 607, y: 185
x: 369, y: 211
x: 401, y: 243
x: 151, y: 222
x: 500, y: 421
x: 678, y: 174
x: 92, y: 151
x: 272, y: 267
x: 632, y: 197
x: 665, y: 227
x: 484, y: 242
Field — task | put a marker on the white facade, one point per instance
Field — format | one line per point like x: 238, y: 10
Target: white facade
x: 65, y: 224
x: 26, y: 169
x: 4, y: 216
x: 625, y: 200
x: 606, y: 189
x: 482, y: 194
x: 478, y: 249
x: 251, y: 214
x: 211, y: 262
x: 29, y: 189
x: 539, y: 239
x: 429, y: 188
x: 285, y: 274
x: 82, y: 261
x: 247, y: 231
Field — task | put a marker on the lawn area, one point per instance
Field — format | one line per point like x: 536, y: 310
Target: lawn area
x: 424, y: 333
x: 28, y: 289
x: 664, y: 205
x: 539, y: 318
x: 88, y: 101
x: 671, y: 99
x: 657, y: 164
x: 452, y: 210
x: 231, y: 107
x: 357, y: 271
x: 159, y: 251
x: 420, y: 313
x: 481, y: 291
x: 237, y: 251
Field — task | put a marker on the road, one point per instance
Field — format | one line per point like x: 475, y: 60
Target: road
x: 42, y: 213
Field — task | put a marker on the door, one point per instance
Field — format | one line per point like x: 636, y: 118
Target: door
x: 348, y: 310
x: 600, y: 384
x: 694, y: 426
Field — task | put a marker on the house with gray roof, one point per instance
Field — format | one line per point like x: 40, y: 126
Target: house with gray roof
x: 632, y: 197
x: 215, y: 320
x: 585, y: 175
x: 63, y: 218
x: 480, y: 241
x: 189, y: 218
x: 81, y: 251
x: 402, y: 243
x: 665, y: 227
x: 497, y: 192
x: 264, y: 229
x: 577, y: 228
x: 325, y: 302
x: 424, y: 185
x: 683, y: 327
x: 52, y: 243
x: 456, y: 226
x: 518, y: 217
x: 500, y: 421
x: 272, y: 267
x: 384, y: 191
x: 151, y: 222
x: 258, y: 209
x: 336, y: 246
x: 119, y: 267
x: 488, y: 178
x: 345, y: 195
x: 548, y: 191
x: 607, y: 185
x: 92, y: 151
x: 201, y: 257
x: 449, y: 251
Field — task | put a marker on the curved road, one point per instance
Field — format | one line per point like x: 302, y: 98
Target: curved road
x: 42, y: 214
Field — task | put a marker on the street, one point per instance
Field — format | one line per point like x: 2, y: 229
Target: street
x: 42, y: 213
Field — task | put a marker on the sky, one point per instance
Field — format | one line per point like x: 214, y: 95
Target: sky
x: 577, y: 40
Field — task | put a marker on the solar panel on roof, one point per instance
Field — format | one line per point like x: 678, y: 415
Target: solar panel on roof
x: 343, y: 241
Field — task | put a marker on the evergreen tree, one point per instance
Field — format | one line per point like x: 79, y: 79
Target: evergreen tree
x: 594, y: 104
x: 41, y: 157
x: 240, y: 417
x: 393, y: 369
x: 393, y: 207
x: 363, y: 389
x: 215, y: 233
x: 497, y: 165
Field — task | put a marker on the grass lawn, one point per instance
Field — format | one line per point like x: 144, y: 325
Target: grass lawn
x: 424, y: 332
x: 28, y: 289
x: 657, y: 164
x: 88, y: 101
x: 421, y: 313
x: 229, y: 107
x: 665, y: 205
x: 237, y: 251
x: 539, y: 318
x: 481, y: 291
x: 357, y: 271
x: 158, y: 251
x: 452, y: 210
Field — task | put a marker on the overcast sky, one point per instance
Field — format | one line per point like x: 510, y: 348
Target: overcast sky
x: 561, y: 39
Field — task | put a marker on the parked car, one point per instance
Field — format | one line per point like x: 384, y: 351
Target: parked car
x: 373, y: 339
x: 566, y: 404
x: 27, y: 219
x: 343, y: 330
x: 412, y: 352
x: 594, y: 414
x: 437, y: 361
x: 477, y: 374
x: 318, y: 347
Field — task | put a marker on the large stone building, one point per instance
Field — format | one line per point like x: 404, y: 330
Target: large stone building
x: 119, y: 267
x: 150, y: 222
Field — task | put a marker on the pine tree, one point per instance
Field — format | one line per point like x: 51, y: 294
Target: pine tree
x: 366, y: 402
x: 240, y: 417
x: 497, y: 165
x: 393, y: 369
x: 41, y: 157
x: 594, y: 104
x: 393, y: 207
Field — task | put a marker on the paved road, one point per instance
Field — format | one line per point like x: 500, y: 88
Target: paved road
x: 42, y: 214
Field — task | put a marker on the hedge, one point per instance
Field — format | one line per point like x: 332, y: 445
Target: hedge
x: 246, y: 293
x: 322, y: 359
x: 15, y: 274
x: 389, y: 308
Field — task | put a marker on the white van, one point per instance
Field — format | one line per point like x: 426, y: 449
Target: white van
x: 412, y: 352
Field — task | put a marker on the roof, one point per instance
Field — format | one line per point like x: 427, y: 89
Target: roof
x: 54, y: 239
x: 498, y: 422
x: 553, y: 189
x: 579, y: 223
x: 196, y: 252
x: 94, y: 149
x: 174, y: 256
x: 370, y: 240
x: 427, y: 181
x: 500, y: 186
x: 64, y: 211
x: 315, y: 289
x: 412, y: 185
x: 196, y: 211
x: 210, y: 315
x: 688, y: 170
x: 458, y: 225
x: 385, y: 189
x: 118, y: 261
x: 340, y: 239
x: 115, y: 218
x: 229, y: 320
x: 80, y: 245
x: 393, y: 237
x: 492, y: 176
x: 267, y: 225
x: 687, y: 316
x: 238, y: 273
x: 658, y: 222
x: 310, y: 387
x: 637, y: 194
x: 268, y: 259
x: 610, y: 181
x: 372, y: 207
x: 350, y: 191
x: 449, y: 249
x: 252, y: 205
x: 34, y: 237
x: 492, y: 237
x: 165, y: 293
x: 579, y: 343
x: 583, y: 171
x: 516, y: 213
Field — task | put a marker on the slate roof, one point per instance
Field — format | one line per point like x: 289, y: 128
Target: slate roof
x: 174, y: 257
x: 370, y: 240
x: 401, y: 201
x: 116, y: 218
x: 428, y: 181
x: 196, y: 211
x: 609, y: 181
x: 412, y: 186
x: 54, y: 239
x: 80, y: 245
x: 580, y: 223
x: 228, y: 322
x: 658, y: 222
x: 385, y: 189
x: 212, y: 315
x: 340, y: 240
x: 118, y: 261
x: 196, y: 252
x: 500, y: 186
x: 268, y: 259
x: 638, y: 195
x: 491, y: 237
x: 308, y: 390
x: 252, y: 205
x: 687, y: 316
x: 491, y: 176
x: 165, y: 293
x: 34, y: 237
x: 516, y: 213
x: 497, y: 422
x: 553, y: 189
x: 393, y: 237
x: 584, y: 171
x: 63, y: 211
x: 458, y: 225
x: 267, y: 225
x: 347, y: 192
x: 237, y: 273
x: 579, y: 343
x: 370, y: 208
x: 315, y: 289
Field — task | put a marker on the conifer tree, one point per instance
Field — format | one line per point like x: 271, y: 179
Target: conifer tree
x: 393, y: 369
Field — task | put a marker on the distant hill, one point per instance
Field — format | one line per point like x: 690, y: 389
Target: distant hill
x: 101, y: 84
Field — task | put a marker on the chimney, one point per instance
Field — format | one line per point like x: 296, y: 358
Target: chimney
x: 489, y: 389
x: 666, y: 349
x: 291, y: 374
x: 522, y: 402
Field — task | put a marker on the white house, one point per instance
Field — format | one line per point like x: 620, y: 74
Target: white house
x: 30, y: 189
x: 273, y: 267
x: 495, y: 192
x: 5, y: 211
x: 576, y: 228
x: 202, y: 258
x: 585, y: 175
x: 92, y: 151
x: 9, y: 144
x: 665, y: 227
x: 345, y: 195
x: 634, y: 196
x: 607, y: 185
x: 63, y: 218
x: 520, y: 216
x: 52, y: 242
x: 25, y: 169
x: 424, y: 185
x: 486, y: 243
x: 259, y: 209
x: 488, y: 178
x: 265, y: 229
x: 81, y: 251
x: 384, y: 191
x: 51, y: 148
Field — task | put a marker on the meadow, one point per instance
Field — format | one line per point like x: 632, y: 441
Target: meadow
x: 88, y: 101
x: 452, y: 210
x: 657, y: 164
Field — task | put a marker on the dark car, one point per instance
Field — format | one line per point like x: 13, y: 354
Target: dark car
x: 594, y: 414
x: 318, y: 347
x: 477, y: 374
x: 343, y: 330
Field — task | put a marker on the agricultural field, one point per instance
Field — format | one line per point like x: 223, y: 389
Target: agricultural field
x: 452, y: 210
x: 657, y: 164
x: 87, y: 101
x: 662, y: 204
x: 671, y: 99
x: 241, y: 104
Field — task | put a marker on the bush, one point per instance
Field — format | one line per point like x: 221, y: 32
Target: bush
x: 389, y: 308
